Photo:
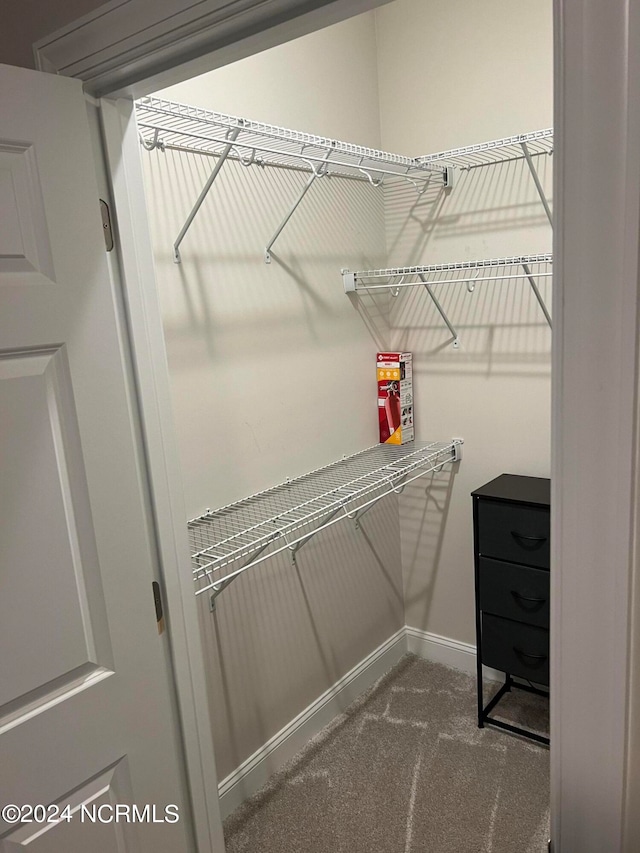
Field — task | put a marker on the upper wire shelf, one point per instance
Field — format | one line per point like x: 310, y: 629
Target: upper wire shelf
x: 227, y: 542
x: 165, y: 123
x: 497, y: 151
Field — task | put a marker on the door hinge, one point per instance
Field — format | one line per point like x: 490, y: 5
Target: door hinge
x: 105, y: 215
x: 157, y: 600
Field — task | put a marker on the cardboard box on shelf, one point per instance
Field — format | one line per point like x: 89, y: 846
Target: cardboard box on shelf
x: 395, y: 397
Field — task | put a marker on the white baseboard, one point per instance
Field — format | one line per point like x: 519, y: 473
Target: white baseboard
x: 252, y: 774
x: 449, y: 652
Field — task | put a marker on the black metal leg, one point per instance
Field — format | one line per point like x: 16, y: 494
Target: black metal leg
x: 480, y: 696
x: 506, y: 688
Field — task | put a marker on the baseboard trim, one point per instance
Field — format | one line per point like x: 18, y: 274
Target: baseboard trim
x: 252, y: 774
x: 446, y: 651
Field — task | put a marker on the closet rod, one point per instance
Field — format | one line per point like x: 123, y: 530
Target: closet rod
x: 285, y: 517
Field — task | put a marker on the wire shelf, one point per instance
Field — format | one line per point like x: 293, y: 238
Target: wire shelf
x: 165, y: 123
x: 286, y: 516
x: 497, y: 151
x: 493, y: 269
x: 525, y: 268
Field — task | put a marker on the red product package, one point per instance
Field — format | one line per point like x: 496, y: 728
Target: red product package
x: 395, y: 397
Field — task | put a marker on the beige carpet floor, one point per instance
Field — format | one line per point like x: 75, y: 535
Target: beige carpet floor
x: 406, y: 770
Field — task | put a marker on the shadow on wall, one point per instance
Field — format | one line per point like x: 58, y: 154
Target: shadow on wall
x: 263, y: 357
x: 224, y: 286
x: 412, y: 215
x: 424, y: 510
x: 490, y: 213
x: 282, y: 634
x: 374, y: 313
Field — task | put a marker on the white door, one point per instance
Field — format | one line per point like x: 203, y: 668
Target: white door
x: 85, y: 704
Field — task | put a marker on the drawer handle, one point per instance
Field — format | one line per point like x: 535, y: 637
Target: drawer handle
x: 524, y: 654
x: 516, y: 594
x: 528, y: 538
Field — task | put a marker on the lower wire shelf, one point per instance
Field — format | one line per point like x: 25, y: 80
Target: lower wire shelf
x: 231, y: 540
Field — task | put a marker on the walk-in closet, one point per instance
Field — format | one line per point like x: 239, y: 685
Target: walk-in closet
x: 381, y: 185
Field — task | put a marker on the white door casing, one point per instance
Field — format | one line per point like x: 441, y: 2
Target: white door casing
x: 596, y: 56
x: 136, y: 268
x: 84, y: 692
x: 134, y: 47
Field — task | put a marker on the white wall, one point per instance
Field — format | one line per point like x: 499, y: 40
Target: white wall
x: 271, y: 367
x: 272, y: 374
x: 455, y: 73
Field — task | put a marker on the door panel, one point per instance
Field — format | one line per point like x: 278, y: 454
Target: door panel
x: 44, y: 489
x: 85, y: 690
x: 24, y: 238
x: 85, y: 820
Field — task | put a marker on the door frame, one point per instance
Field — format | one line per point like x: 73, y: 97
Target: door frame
x: 595, y: 432
x: 134, y: 47
x: 148, y: 355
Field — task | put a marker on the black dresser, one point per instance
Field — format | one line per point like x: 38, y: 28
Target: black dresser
x: 511, y: 519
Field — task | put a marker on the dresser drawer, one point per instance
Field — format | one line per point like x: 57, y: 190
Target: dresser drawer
x: 517, y: 592
x: 514, y: 532
x: 521, y: 650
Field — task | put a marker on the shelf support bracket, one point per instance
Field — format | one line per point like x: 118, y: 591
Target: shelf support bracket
x: 217, y: 588
x: 398, y: 486
x: 225, y: 153
x: 303, y: 541
x: 357, y: 515
x: 427, y: 286
x: 536, y: 181
x: 317, y: 173
x: 538, y: 295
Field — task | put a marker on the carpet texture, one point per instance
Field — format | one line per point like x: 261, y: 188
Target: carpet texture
x: 406, y: 770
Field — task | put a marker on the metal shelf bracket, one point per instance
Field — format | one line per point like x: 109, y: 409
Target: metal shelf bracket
x: 536, y: 181
x: 303, y: 541
x: 318, y: 172
x: 356, y: 516
x: 217, y: 588
x: 348, y: 281
x: 233, y: 135
x: 449, y: 177
x: 538, y: 295
x: 436, y: 302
